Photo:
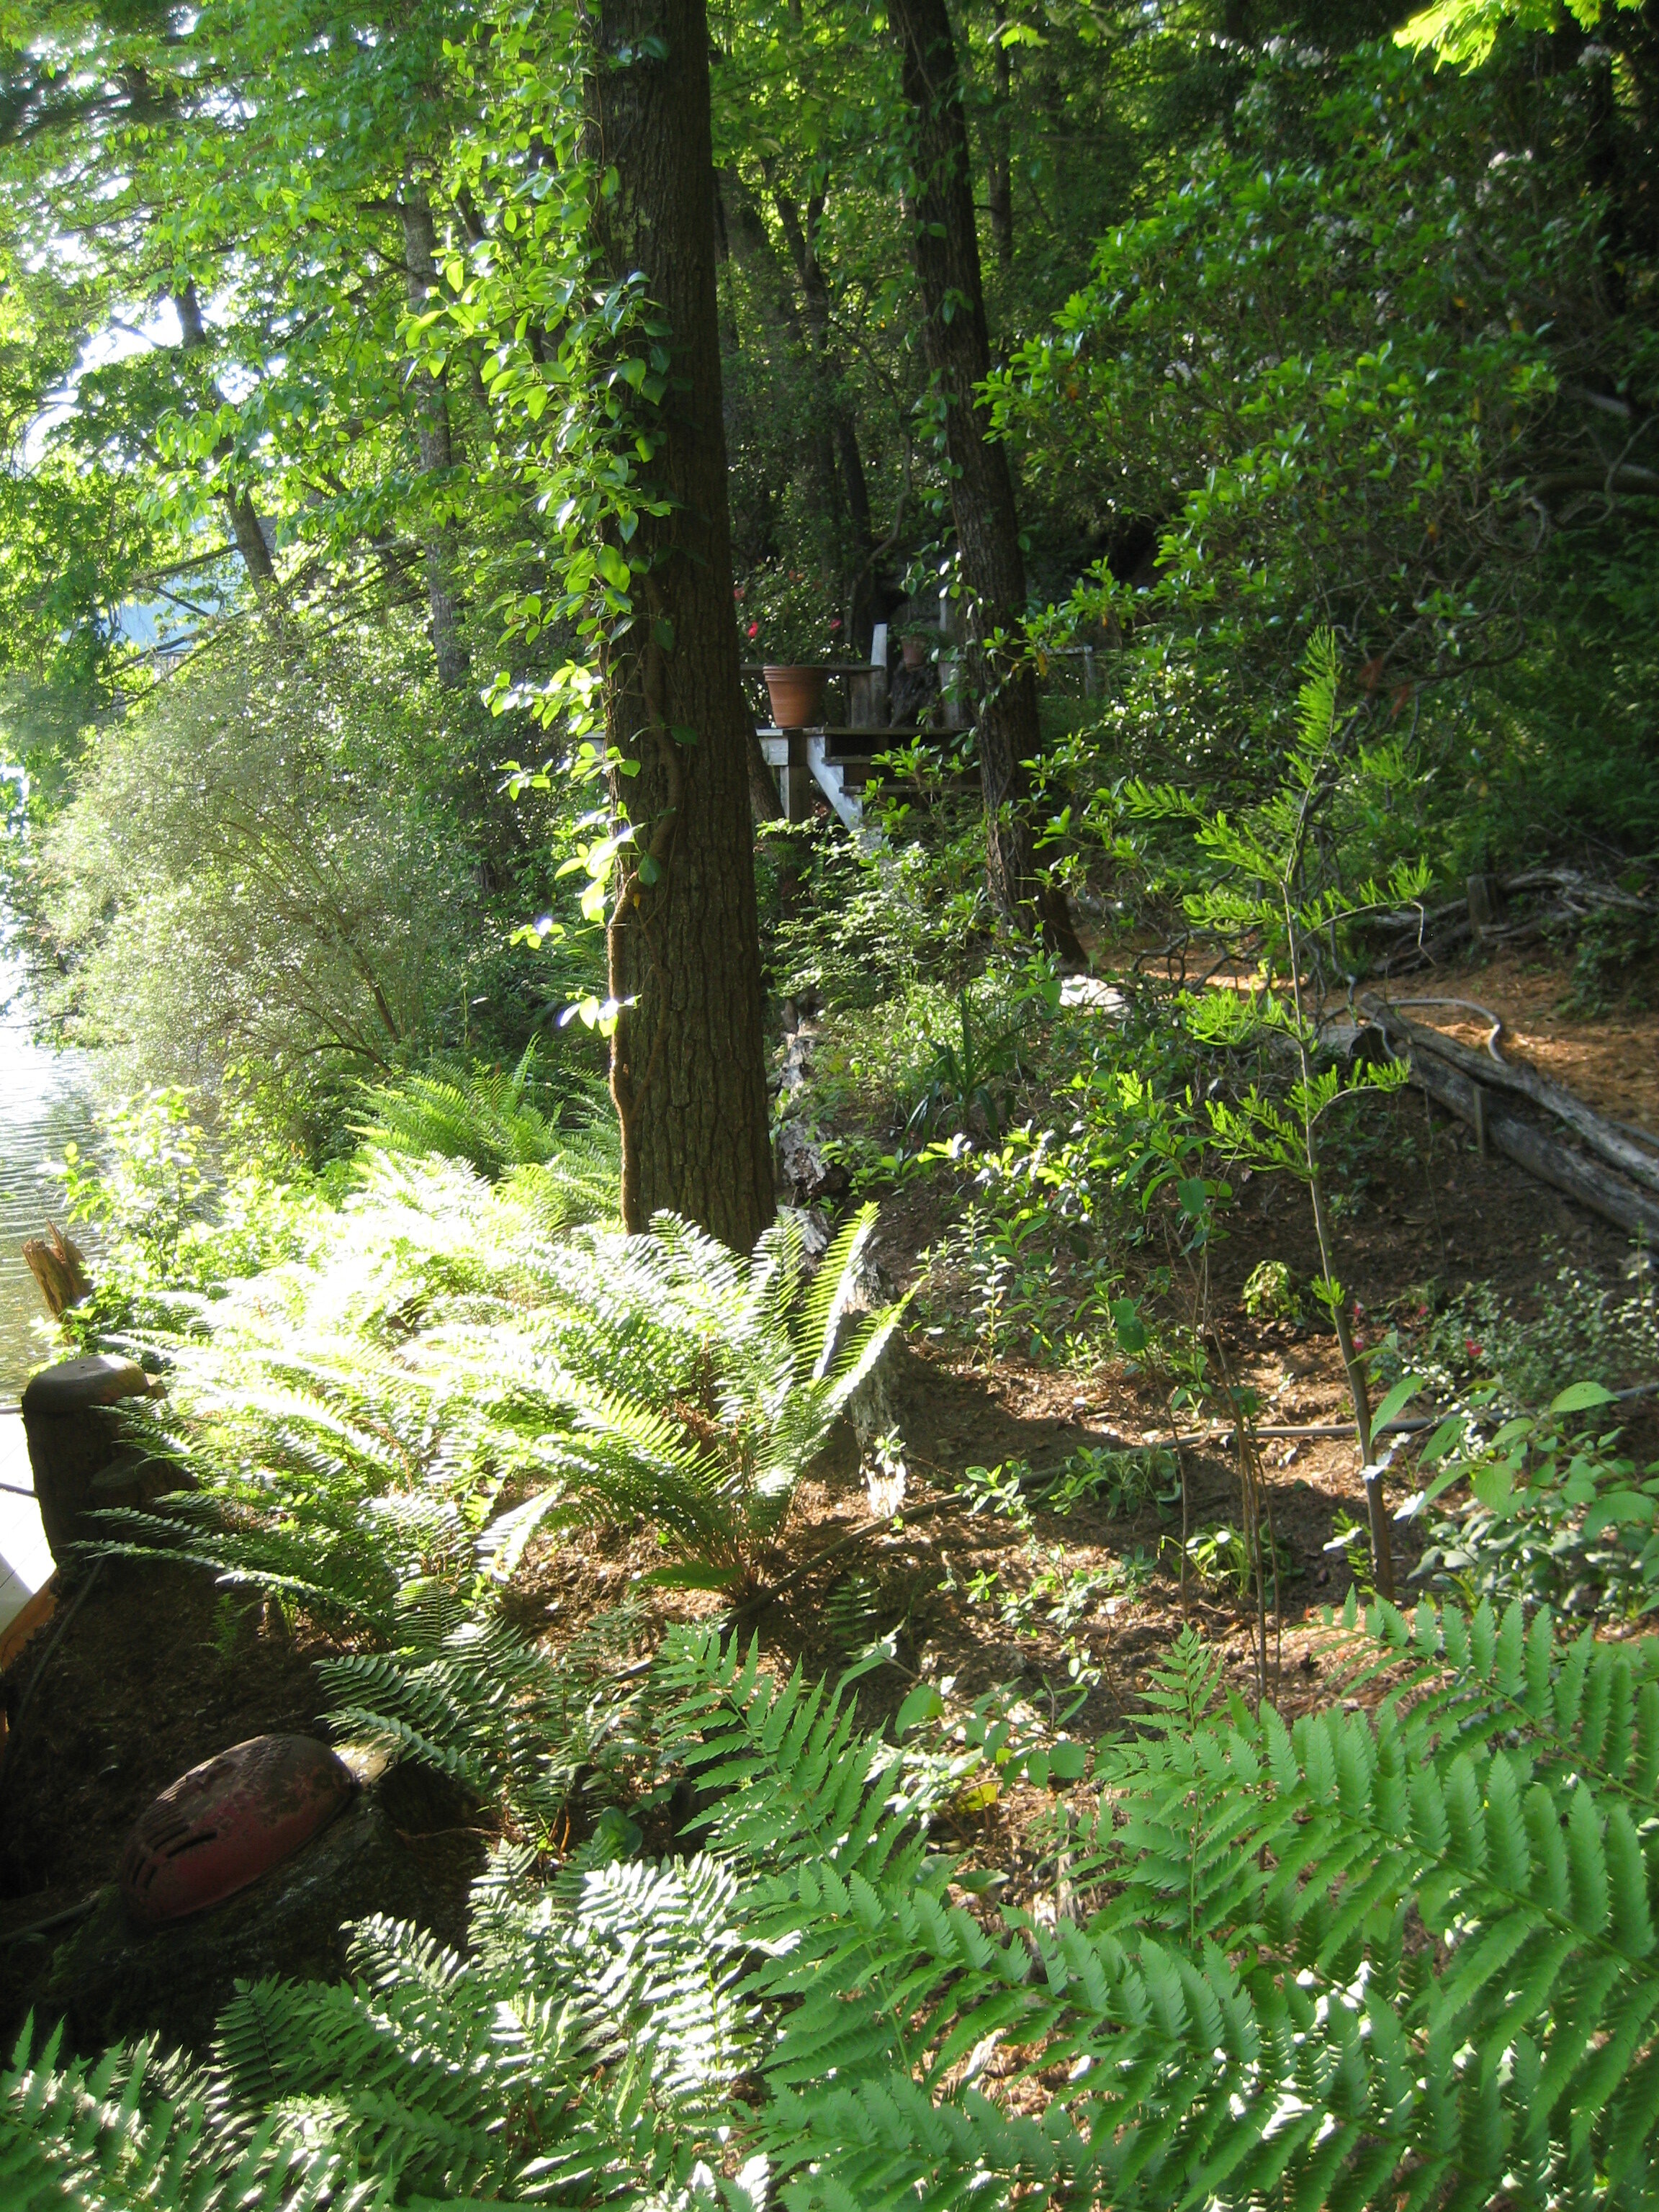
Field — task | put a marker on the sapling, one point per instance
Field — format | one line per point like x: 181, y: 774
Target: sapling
x: 1277, y: 891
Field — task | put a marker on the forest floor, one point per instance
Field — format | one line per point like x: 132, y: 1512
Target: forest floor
x: 156, y: 1672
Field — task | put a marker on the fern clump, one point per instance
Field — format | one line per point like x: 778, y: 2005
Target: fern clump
x: 439, y: 1376
x: 490, y: 1119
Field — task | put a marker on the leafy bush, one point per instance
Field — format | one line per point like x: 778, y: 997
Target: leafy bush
x: 1479, y: 1340
x: 1125, y: 1480
x: 260, y: 864
x: 1554, y: 1514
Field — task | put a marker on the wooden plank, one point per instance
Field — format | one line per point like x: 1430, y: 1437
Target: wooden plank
x: 797, y: 778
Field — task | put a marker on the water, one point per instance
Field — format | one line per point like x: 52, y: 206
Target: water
x: 46, y: 1101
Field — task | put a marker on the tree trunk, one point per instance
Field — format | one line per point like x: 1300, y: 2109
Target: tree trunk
x: 946, y: 248
x: 251, y: 545
x: 687, y: 1066
x: 838, y: 424
x: 437, y: 455
x: 239, y: 510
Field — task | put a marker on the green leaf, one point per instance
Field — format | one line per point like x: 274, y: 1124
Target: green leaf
x: 923, y: 1703
x: 1400, y: 1396
x: 1129, y: 1327
x: 1068, y: 1761
x: 1579, y: 1397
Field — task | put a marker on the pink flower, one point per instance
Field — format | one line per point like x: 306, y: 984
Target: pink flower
x: 834, y: 622
x: 753, y: 630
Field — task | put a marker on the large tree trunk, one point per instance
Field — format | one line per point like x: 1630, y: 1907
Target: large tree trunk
x: 437, y: 455
x: 687, y: 1070
x: 946, y: 248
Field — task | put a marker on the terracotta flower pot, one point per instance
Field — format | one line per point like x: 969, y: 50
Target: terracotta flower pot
x: 797, y: 695
x: 914, y: 650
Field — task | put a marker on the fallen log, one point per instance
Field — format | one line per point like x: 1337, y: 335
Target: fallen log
x: 1603, y: 1193
x: 1618, y: 1150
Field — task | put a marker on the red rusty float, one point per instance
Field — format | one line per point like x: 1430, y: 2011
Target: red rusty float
x: 227, y: 1822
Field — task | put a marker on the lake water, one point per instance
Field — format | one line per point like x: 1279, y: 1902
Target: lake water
x: 45, y: 1101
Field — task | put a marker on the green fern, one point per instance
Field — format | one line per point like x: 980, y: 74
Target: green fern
x: 414, y: 1400
x: 486, y: 1117
x: 1247, y: 2015
x: 1245, y: 2020
x: 467, y: 1695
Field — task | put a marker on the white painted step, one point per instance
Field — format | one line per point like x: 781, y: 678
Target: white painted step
x: 26, y: 1562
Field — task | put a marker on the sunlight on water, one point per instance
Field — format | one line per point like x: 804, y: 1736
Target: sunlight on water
x: 45, y: 1102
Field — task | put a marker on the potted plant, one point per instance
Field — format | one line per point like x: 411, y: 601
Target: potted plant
x: 917, y: 640
x: 785, y: 620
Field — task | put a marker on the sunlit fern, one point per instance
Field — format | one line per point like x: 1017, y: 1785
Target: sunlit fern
x: 438, y: 1378
x: 488, y: 1118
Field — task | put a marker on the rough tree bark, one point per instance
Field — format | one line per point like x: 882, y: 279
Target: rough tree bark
x: 687, y: 1068
x: 437, y: 453
x: 945, y: 245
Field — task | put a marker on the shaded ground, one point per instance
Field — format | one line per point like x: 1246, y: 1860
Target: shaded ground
x: 155, y: 1672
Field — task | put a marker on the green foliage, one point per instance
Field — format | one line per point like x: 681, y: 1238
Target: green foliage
x: 1271, y: 1292
x: 785, y: 617
x: 1465, y: 31
x: 1554, y: 1513
x: 968, y: 1075
x: 488, y: 1117
x: 1271, y: 890
x: 1224, y: 1558
x: 262, y: 864
x: 459, y: 1690
x: 1480, y: 1346
x: 1351, y: 370
x: 449, y: 1368
x: 1234, y: 2007
x: 1124, y: 1481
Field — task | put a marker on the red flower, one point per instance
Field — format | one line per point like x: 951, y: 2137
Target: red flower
x: 753, y: 630
x: 834, y: 622
x: 1471, y: 1347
